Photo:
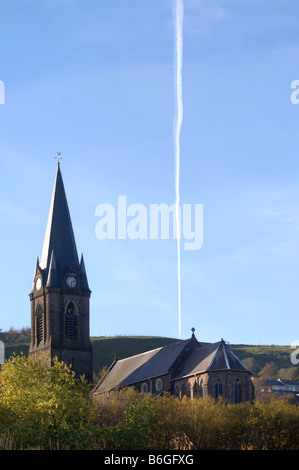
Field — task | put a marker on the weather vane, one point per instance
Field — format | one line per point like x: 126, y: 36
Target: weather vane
x: 58, y: 157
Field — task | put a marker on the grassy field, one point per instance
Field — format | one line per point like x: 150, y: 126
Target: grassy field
x: 104, y: 348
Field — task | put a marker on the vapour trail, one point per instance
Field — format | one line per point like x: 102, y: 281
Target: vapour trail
x: 178, y: 23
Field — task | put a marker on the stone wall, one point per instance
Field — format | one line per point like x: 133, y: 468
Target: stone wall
x: 232, y: 386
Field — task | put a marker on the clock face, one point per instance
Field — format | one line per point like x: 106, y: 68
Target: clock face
x: 71, y: 281
x: 38, y: 283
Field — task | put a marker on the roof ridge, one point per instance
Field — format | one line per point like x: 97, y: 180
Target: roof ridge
x: 225, y: 355
x: 140, y: 354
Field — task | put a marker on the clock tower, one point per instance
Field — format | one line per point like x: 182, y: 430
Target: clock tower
x: 60, y: 293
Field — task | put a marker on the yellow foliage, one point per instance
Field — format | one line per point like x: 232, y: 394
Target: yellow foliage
x: 43, y: 407
x: 41, y: 402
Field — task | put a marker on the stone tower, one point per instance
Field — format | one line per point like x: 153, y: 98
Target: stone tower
x: 60, y: 292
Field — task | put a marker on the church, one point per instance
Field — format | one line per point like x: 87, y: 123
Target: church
x: 60, y: 293
x: 182, y: 368
x: 60, y: 319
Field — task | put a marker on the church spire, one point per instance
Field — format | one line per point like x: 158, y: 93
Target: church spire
x: 83, y: 276
x: 53, y: 280
x: 60, y: 293
x: 59, y: 236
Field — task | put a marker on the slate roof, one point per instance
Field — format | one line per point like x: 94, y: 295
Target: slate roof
x: 52, y: 280
x: 282, y: 382
x: 214, y: 357
x: 59, y: 251
x: 59, y: 236
x: 141, y: 367
x: 158, y: 362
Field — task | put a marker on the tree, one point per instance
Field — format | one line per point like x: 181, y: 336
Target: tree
x: 251, y: 364
x: 123, y: 420
x: 43, y: 406
x: 291, y: 373
x: 269, y: 371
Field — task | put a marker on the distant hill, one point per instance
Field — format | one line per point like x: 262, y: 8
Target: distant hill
x: 255, y: 357
x: 105, y: 347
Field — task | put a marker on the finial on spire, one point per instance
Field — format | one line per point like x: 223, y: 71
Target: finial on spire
x: 193, y: 329
x: 58, y: 157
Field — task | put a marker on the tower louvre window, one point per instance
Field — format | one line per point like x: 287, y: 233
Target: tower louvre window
x: 39, y: 329
x: 39, y: 324
x: 70, y: 321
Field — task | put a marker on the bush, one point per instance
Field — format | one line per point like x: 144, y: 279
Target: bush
x: 44, y: 407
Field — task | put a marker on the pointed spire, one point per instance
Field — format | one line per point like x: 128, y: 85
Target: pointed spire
x: 35, y: 273
x: 36, y: 266
x: 59, y: 234
x: 83, y: 276
x: 53, y: 278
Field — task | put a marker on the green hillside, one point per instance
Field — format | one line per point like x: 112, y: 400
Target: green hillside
x: 105, y: 347
x: 255, y: 357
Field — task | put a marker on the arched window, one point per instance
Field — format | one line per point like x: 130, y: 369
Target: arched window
x: 218, y: 388
x: 177, y: 390
x: 238, y: 391
x: 199, y: 388
x: 70, y: 321
x: 39, y: 323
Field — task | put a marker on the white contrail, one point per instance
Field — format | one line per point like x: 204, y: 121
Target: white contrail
x: 178, y: 23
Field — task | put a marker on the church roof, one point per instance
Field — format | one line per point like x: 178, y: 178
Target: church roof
x: 141, y: 367
x: 158, y: 362
x: 213, y: 357
x: 59, y: 236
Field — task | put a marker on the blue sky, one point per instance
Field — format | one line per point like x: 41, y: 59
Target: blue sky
x: 94, y: 80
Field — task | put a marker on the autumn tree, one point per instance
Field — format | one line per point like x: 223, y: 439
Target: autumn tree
x: 269, y: 371
x: 43, y: 406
